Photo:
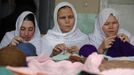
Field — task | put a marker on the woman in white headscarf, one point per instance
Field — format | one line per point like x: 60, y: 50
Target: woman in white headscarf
x: 107, y: 27
x: 65, y: 33
x: 26, y: 31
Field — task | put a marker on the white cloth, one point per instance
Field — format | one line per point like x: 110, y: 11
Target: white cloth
x: 55, y: 36
x: 42, y: 65
x: 10, y: 35
x: 97, y: 37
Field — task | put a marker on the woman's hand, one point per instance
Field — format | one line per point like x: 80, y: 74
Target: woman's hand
x: 123, y: 37
x: 58, y: 49
x: 16, y: 40
x: 107, y: 43
x: 73, y: 49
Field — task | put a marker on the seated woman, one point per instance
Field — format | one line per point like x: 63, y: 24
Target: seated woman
x: 109, y: 38
x: 27, y: 31
x: 65, y: 35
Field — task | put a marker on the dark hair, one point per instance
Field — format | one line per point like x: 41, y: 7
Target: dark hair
x: 30, y: 17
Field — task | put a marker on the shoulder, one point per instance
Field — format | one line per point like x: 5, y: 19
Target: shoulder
x: 11, y: 33
x: 81, y: 33
x: 125, y: 32
x: 42, y: 35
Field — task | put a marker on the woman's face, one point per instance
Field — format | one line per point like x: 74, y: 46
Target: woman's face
x: 65, y: 19
x: 27, y: 30
x: 110, y: 27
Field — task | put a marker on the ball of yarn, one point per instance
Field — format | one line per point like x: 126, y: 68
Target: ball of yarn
x: 86, y: 50
x: 12, y: 56
x: 27, y: 48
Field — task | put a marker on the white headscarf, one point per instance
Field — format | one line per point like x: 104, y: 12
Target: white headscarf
x: 98, y: 36
x: 55, y: 36
x: 10, y: 35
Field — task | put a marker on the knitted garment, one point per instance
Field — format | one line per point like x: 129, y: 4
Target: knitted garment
x: 27, y: 48
x: 120, y: 48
